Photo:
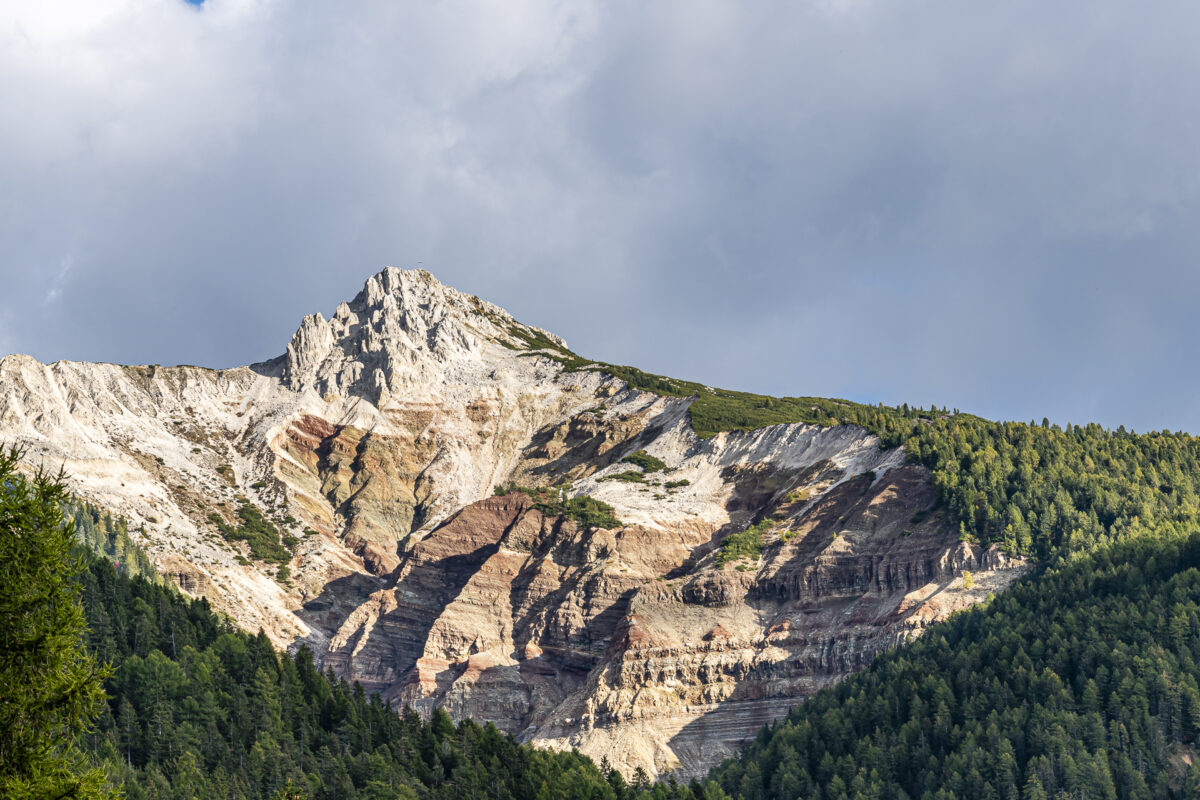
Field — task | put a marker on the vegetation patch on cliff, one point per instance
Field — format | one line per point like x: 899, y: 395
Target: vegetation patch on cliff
x: 108, y: 537
x: 630, y: 476
x: 256, y: 531
x: 714, y: 410
x: 585, y: 510
x: 743, y: 544
x: 647, y: 462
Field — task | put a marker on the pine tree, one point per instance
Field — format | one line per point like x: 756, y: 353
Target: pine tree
x: 50, y: 686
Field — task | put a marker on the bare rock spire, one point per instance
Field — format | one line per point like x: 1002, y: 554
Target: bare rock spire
x: 404, y: 329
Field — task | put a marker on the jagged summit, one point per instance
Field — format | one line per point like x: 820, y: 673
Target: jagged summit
x: 403, y: 329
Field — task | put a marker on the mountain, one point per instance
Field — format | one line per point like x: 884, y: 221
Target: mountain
x: 455, y: 510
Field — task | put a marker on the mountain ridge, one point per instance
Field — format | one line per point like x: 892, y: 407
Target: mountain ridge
x: 361, y: 450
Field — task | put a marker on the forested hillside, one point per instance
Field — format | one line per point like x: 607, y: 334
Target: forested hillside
x: 108, y: 537
x: 1080, y: 683
x: 198, y: 709
x: 1081, y: 679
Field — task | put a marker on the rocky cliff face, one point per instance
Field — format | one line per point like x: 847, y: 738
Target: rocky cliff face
x: 372, y: 447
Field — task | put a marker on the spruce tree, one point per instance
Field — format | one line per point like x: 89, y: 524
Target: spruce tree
x: 50, y: 686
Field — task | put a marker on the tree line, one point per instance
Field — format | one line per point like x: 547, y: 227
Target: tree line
x: 1083, y: 683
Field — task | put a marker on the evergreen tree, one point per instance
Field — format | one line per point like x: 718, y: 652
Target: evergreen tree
x: 50, y: 686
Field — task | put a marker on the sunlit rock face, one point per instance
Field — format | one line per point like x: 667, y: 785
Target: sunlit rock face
x: 375, y: 443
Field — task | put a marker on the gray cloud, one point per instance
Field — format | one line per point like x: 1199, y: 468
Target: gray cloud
x: 989, y: 207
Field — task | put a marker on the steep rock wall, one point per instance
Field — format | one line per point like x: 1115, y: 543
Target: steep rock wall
x: 373, y: 445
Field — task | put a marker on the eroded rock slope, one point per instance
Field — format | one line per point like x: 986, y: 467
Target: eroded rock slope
x: 369, y: 453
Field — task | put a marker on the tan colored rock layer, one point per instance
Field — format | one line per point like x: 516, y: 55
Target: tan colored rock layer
x: 375, y: 442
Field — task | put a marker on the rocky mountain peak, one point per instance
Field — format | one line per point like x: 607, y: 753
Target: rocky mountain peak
x: 371, y: 532
x: 404, y: 329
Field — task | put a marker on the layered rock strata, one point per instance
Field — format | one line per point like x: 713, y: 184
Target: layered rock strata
x: 633, y: 645
x: 373, y: 446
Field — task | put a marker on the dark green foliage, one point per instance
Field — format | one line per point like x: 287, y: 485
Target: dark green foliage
x: 633, y: 376
x: 256, y: 531
x: 535, y: 339
x: 677, y: 484
x: 50, y: 686
x: 587, y: 511
x: 716, y: 410
x: 632, y: 476
x: 1081, y: 682
x: 200, y: 710
x: 743, y: 544
x: 642, y: 380
x: 719, y: 410
x: 647, y: 462
x: 1041, y: 489
x: 636, y: 378
x: 530, y: 338
x: 108, y: 537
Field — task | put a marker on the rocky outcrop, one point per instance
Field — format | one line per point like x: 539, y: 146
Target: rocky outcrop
x: 705, y: 661
x: 412, y: 401
x: 633, y: 645
x: 402, y: 334
x: 374, y: 444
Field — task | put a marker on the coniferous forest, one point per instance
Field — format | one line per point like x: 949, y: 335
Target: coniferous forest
x: 198, y: 709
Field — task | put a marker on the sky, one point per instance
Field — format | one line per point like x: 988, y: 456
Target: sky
x: 990, y: 206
